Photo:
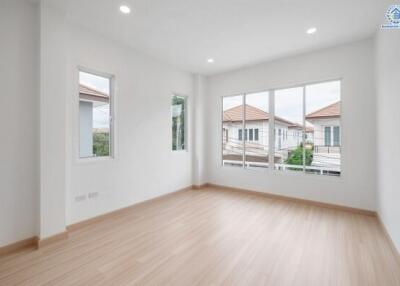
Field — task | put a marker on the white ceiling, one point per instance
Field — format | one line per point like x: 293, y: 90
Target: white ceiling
x: 236, y: 33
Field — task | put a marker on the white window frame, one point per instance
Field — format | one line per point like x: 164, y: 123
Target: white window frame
x: 332, y: 143
x: 111, y: 78
x: 272, y: 128
x: 186, y: 122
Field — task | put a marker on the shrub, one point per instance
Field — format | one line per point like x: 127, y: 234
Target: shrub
x: 101, y: 144
x: 296, y: 157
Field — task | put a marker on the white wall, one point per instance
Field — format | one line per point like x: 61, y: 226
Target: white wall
x: 19, y: 101
x: 354, y: 64
x: 144, y: 166
x: 198, y: 125
x: 53, y: 74
x: 40, y: 171
x: 388, y: 147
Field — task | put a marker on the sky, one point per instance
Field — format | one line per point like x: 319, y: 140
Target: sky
x: 289, y: 102
x: 101, y: 114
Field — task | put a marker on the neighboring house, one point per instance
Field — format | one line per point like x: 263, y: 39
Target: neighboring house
x: 327, y: 136
x: 295, y: 132
x: 326, y: 124
x: 287, y: 135
x: 89, y: 98
x: 322, y: 134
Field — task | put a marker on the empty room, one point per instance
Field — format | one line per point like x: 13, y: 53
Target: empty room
x: 200, y: 142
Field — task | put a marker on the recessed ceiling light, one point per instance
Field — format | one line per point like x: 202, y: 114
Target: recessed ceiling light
x: 124, y: 9
x: 311, y: 31
x: 210, y: 61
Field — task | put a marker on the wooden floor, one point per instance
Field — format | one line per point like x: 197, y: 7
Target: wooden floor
x: 214, y: 237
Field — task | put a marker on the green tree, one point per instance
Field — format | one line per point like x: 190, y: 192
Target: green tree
x: 101, y: 144
x: 296, y: 157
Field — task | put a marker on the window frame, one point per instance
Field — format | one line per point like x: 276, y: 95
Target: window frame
x: 186, y: 122
x: 272, y: 129
x: 111, y: 78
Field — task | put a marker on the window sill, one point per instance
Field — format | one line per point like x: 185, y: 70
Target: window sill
x: 179, y: 151
x: 287, y: 173
x: 92, y: 160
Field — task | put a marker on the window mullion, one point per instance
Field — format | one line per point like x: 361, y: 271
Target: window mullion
x: 244, y: 130
x: 271, y: 126
x: 304, y: 129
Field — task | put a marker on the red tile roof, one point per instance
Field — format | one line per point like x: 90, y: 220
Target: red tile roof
x: 89, y: 93
x: 329, y: 111
x: 300, y: 127
x: 252, y: 114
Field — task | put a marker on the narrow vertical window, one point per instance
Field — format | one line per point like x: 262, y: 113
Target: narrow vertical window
x: 250, y: 134
x: 95, y: 112
x: 178, y: 123
x: 256, y: 134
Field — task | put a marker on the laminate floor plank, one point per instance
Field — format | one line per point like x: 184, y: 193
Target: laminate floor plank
x: 214, y: 236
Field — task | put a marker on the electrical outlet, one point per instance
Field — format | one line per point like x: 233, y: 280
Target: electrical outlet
x: 80, y: 198
x: 93, y: 195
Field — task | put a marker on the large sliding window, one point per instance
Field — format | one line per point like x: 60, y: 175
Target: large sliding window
x: 301, y: 133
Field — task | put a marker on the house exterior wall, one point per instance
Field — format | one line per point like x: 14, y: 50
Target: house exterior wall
x: 85, y: 129
x: 319, y: 131
x: 285, y: 138
x: 294, y: 137
x: 282, y: 141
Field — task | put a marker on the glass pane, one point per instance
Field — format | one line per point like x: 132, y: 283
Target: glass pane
x: 232, y: 133
x: 178, y: 123
x: 336, y: 136
x: 323, y: 125
x: 327, y: 136
x: 256, y: 121
x: 289, y: 150
x: 94, y: 115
